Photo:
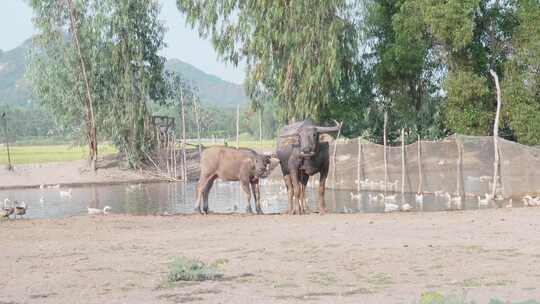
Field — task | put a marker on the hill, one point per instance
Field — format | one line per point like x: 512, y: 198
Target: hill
x: 212, y: 89
x: 16, y: 90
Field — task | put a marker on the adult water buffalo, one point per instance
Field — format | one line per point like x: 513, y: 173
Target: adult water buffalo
x: 229, y: 164
x: 303, y: 150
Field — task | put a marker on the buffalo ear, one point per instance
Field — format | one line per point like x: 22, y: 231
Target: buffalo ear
x: 289, y: 140
x: 323, y: 137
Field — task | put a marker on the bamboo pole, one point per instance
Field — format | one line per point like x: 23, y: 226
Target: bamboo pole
x: 6, y: 133
x: 402, y: 163
x: 459, y: 173
x: 334, y: 157
x: 184, y: 158
x: 496, y: 134
x: 197, y: 121
x: 237, y: 126
x: 260, y: 128
x: 174, y: 157
x: 419, y: 161
x: 384, y: 153
x: 359, y: 164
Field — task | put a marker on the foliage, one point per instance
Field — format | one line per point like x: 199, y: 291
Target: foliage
x: 304, y: 63
x: 120, y: 41
x: 186, y: 269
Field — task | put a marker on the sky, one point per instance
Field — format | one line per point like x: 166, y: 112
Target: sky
x: 182, y: 42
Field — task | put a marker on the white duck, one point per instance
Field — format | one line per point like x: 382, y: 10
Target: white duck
x: 65, y: 193
x: 389, y: 198
x: 355, y: 196
x: 406, y: 207
x: 389, y: 207
x: 373, y: 198
x: 419, y: 198
x: 509, y: 205
x: 20, y: 209
x: 483, y: 201
x: 531, y: 201
x: 96, y: 211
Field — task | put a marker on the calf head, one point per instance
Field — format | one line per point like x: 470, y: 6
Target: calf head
x: 262, y: 162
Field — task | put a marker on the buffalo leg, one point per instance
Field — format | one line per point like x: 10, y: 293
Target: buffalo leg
x: 247, y: 191
x: 297, y: 191
x: 290, y: 192
x: 322, y: 204
x: 304, y: 178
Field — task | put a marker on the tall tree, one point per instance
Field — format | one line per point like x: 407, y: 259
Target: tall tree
x: 116, y: 44
x: 302, y: 52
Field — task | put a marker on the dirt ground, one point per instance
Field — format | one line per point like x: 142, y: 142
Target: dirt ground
x: 70, y: 173
x: 337, y: 258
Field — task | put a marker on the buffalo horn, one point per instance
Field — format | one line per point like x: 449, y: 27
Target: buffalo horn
x: 329, y: 129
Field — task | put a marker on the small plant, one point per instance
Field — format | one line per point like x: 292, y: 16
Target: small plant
x: 186, y: 269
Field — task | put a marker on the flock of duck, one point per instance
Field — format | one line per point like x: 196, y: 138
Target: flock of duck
x: 18, y: 209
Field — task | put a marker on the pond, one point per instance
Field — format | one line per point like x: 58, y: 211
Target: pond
x: 226, y: 197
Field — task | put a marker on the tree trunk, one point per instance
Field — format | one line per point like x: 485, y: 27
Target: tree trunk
x: 90, y: 119
x: 184, y: 158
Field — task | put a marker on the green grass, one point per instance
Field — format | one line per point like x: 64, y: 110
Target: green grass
x: 35, y: 154
x: 437, y: 298
x: 52, y: 153
x: 187, y: 269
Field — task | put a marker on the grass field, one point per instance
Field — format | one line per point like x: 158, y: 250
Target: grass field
x: 32, y: 154
x: 52, y: 153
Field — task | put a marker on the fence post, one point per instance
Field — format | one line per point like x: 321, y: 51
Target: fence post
x: 419, y: 160
x: 496, y: 134
x: 184, y: 158
x: 402, y: 163
x: 384, y: 154
x: 359, y: 164
x: 334, y: 157
x: 237, y: 126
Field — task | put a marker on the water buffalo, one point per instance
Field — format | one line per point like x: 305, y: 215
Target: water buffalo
x: 303, y: 150
x: 229, y: 164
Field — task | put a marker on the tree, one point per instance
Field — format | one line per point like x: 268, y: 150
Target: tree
x: 521, y: 87
x: 304, y: 62
x: 116, y: 44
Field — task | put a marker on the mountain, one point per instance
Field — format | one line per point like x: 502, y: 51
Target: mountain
x: 212, y: 89
x: 16, y: 90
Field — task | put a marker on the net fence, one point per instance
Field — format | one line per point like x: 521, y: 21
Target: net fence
x: 462, y: 165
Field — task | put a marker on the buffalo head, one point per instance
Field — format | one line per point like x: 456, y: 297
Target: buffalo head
x: 308, y: 137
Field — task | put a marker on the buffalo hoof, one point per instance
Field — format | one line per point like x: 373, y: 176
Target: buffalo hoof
x: 249, y: 210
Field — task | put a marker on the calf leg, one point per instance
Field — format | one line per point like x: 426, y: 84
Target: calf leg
x: 206, y: 192
x: 201, y: 186
x: 247, y: 191
x: 257, y: 196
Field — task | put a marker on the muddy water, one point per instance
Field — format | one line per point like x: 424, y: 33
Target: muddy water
x: 225, y: 197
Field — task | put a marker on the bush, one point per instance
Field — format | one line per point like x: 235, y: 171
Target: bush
x: 186, y: 269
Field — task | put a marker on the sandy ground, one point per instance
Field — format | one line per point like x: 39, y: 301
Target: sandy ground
x: 69, y: 173
x: 338, y: 258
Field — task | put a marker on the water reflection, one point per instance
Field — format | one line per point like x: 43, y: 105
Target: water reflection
x: 225, y: 197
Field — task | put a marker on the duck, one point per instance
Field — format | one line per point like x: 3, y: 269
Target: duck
x: 20, y: 209
x: 57, y: 186
x: 65, y: 193
x: 346, y: 209
x: 355, y: 196
x: 483, y: 201
x: 389, y: 198
x: 6, y: 211
x: 389, y: 207
x: 406, y: 207
x: 42, y: 199
x: 373, y: 198
x: 419, y: 198
x: 96, y: 211
x: 531, y: 201
x: 509, y: 204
